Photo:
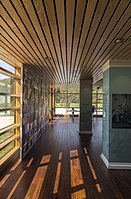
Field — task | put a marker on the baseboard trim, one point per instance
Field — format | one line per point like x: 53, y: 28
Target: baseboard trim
x: 85, y: 132
x: 104, y: 160
x: 115, y: 165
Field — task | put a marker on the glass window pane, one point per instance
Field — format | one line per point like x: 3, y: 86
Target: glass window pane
x: 7, y: 118
x: 7, y: 84
x: 60, y: 100
x: 100, y: 96
x: 76, y: 111
x: 67, y: 100
x: 7, y: 66
x: 59, y: 88
x: 6, y: 136
x: 73, y: 100
x: 7, y: 101
x: 6, y: 149
x: 60, y: 111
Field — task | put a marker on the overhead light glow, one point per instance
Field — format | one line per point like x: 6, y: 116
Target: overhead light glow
x: 119, y: 40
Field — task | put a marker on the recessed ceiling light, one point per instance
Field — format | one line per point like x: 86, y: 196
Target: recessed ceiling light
x: 119, y: 40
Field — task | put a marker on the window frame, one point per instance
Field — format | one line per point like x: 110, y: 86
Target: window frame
x: 16, y: 126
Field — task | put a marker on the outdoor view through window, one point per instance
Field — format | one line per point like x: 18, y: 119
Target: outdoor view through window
x: 9, y: 108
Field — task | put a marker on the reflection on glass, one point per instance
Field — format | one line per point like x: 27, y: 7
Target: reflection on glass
x: 7, y: 118
x: 7, y: 84
x: 60, y: 100
x: 6, y: 136
x: 63, y: 100
x: 73, y: 100
x: 7, y: 66
x: 7, y: 101
x: 6, y: 149
x: 72, y: 88
x: 7, y: 115
x: 97, y: 101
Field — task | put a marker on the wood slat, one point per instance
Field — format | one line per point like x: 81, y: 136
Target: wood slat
x: 9, y: 108
x: 24, y: 34
x: 109, y: 11
x: 127, y: 56
x: 15, y: 41
x: 12, y: 41
x: 77, y: 36
x: 107, y: 54
x: 97, y: 17
x: 5, y: 158
x: 116, y: 49
x: 78, y: 26
x: 90, y: 11
x: 30, y: 31
x: 20, y: 55
x: 9, y: 128
x: 48, y: 33
x: 59, y: 6
x: 121, y: 52
x: 113, y: 29
x: 6, y: 72
x: 7, y: 51
x: 10, y: 61
x: 4, y: 144
x: 8, y: 94
x: 44, y: 46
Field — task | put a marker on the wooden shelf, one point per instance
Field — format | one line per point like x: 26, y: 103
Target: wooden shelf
x: 4, y: 144
x: 9, y: 128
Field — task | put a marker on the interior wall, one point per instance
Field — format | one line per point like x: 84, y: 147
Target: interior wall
x: 106, y: 121
x: 117, y: 114
x: 35, y: 111
x: 120, y: 137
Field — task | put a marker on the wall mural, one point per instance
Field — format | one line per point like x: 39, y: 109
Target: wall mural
x: 35, y: 109
x: 121, y: 111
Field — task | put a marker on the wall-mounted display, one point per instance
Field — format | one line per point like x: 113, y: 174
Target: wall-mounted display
x: 35, y: 111
x: 121, y: 111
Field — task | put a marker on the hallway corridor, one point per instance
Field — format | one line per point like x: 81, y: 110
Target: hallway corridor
x: 64, y: 165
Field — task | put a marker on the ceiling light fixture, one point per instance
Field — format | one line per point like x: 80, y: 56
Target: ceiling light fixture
x: 119, y: 40
x: 48, y: 58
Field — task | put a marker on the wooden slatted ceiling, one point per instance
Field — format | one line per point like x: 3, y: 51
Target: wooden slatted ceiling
x: 78, y: 35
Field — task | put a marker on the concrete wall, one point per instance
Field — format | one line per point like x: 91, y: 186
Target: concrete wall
x: 120, y: 138
x: 116, y: 141
x: 86, y: 106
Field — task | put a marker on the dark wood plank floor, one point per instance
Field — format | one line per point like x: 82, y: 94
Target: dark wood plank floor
x: 65, y: 165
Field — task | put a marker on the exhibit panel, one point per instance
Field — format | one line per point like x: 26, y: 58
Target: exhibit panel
x: 35, y: 113
x: 120, y: 114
